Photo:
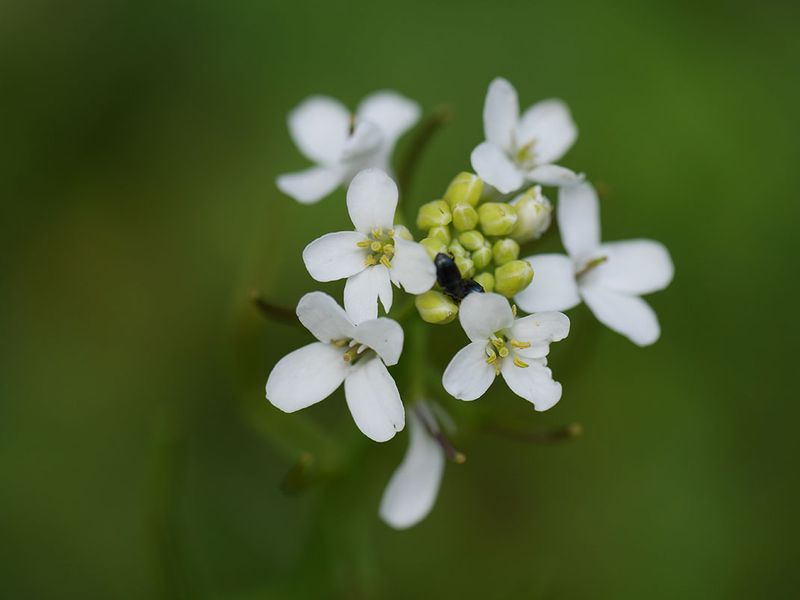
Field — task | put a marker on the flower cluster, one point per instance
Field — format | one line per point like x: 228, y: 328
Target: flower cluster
x: 473, y: 262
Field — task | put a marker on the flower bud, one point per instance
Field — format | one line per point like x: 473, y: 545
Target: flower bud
x: 435, y: 307
x: 534, y: 213
x: 486, y: 280
x: 457, y: 249
x: 504, y: 251
x: 512, y: 277
x: 482, y: 257
x: 464, y: 217
x: 402, y: 232
x: 433, y: 213
x: 442, y: 232
x: 466, y: 187
x: 471, y: 240
x: 497, y: 218
x: 466, y: 266
x: 433, y: 246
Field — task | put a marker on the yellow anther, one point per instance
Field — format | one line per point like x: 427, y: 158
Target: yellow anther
x: 518, y: 344
x: 363, y: 244
x: 388, y: 250
x: 385, y: 262
x: 370, y: 260
x: 350, y: 355
x: 503, y: 352
x: 391, y: 233
x: 340, y: 343
x: 376, y: 246
x: 491, y: 359
x: 376, y: 233
x: 497, y: 343
x: 519, y: 363
x: 514, y: 309
x: 496, y: 370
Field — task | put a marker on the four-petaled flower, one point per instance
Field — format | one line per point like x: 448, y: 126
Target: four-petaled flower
x: 354, y: 354
x: 519, y: 149
x: 609, y: 277
x: 502, y: 344
x: 373, y: 256
x: 342, y: 144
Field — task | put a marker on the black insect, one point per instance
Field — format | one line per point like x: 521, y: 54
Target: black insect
x: 449, y: 277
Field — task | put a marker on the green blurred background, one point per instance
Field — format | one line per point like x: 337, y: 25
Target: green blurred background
x: 140, y: 142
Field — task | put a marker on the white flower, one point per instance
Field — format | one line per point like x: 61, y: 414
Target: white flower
x: 374, y: 255
x: 609, y: 277
x: 501, y: 344
x: 354, y: 354
x: 414, y: 486
x: 341, y: 144
x: 518, y: 149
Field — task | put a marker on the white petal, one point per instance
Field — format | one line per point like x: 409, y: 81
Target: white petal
x: 578, y: 218
x: 482, y: 315
x: 412, y: 267
x: 554, y: 175
x: 633, y: 267
x: 549, y: 124
x: 629, y: 315
x: 495, y: 168
x: 335, y: 256
x: 366, y: 140
x: 374, y: 401
x: 324, y: 318
x: 534, y: 383
x: 306, y: 376
x: 392, y: 113
x: 361, y: 293
x: 320, y: 127
x: 468, y: 375
x: 540, y: 330
x: 311, y: 185
x: 383, y: 335
x: 412, y: 490
x: 553, y: 286
x: 500, y: 114
x: 372, y: 200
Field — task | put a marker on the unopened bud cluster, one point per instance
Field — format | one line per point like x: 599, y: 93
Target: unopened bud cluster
x: 482, y: 237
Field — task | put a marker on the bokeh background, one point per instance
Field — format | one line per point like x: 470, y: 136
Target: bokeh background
x: 139, y: 145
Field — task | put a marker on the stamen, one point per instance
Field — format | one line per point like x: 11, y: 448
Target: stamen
x: 491, y: 354
x: 370, y: 260
x: 518, y: 344
x: 363, y: 244
x: 391, y: 233
x: 595, y: 262
x: 388, y: 250
x: 514, y: 309
x: 497, y: 343
x: 385, y: 262
x: 503, y: 352
x: 339, y: 343
x: 376, y: 246
x: 350, y: 355
x: 519, y: 363
x: 377, y: 233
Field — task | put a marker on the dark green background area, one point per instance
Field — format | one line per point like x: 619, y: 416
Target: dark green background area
x: 139, y: 143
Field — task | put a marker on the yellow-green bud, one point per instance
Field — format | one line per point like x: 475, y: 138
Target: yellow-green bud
x: 402, y: 232
x: 497, y: 218
x: 464, y: 217
x: 432, y: 214
x: 482, y: 257
x: 471, y: 240
x: 433, y: 246
x: 533, y: 215
x: 466, y: 266
x: 442, y: 232
x: 466, y: 187
x: 435, y: 307
x: 457, y: 249
x: 504, y: 251
x: 486, y: 280
x: 512, y: 277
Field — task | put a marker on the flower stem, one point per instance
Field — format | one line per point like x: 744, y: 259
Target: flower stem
x: 273, y: 311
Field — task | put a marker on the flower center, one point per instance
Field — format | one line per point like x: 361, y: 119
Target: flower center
x: 590, y: 265
x: 525, y: 156
x: 380, y: 247
x: 354, y: 351
x: 500, y: 347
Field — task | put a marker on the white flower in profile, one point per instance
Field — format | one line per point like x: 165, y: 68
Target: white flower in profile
x: 373, y: 256
x: 504, y: 345
x: 519, y: 149
x: 411, y: 492
x: 354, y: 354
x: 342, y: 144
x: 609, y: 276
